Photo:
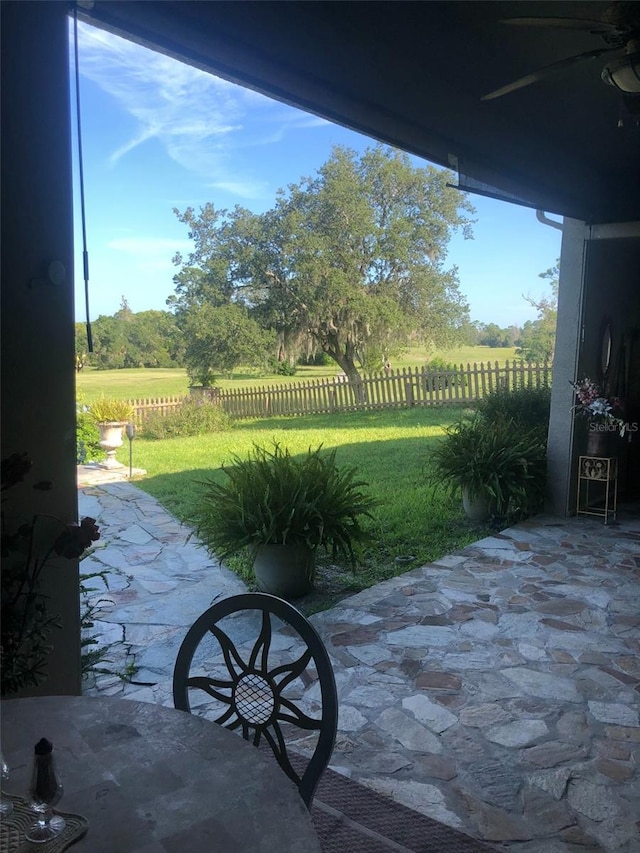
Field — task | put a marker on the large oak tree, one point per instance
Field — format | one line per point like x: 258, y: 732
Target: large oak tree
x: 353, y: 257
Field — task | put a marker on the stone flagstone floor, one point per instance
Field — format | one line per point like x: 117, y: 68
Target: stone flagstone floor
x: 496, y: 690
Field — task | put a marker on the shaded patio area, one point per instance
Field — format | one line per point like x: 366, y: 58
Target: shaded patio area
x: 496, y: 690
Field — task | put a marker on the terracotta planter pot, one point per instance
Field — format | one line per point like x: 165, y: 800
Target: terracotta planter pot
x: 287, y: 571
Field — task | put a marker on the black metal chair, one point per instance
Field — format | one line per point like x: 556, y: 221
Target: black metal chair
x: 251, y: 683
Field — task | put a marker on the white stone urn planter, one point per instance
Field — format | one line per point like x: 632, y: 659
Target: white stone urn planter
x: 110, y: 441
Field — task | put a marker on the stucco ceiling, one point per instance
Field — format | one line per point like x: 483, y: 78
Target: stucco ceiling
x: 412, y: 74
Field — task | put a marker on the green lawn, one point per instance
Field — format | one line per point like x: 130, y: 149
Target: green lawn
x: 415, y: 521
x: 460, y: 355
x: 389, y: 448
x: 131, y: 384
x: 142, y: 383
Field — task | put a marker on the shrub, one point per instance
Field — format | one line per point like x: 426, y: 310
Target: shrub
x: 282, y: 368
x: 496, y: 460
x: 439, y: 365
x: 87, y: 437
x: 528, y: 408
x: 194, y: 416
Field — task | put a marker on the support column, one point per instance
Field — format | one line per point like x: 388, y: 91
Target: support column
x: 560, y: 479
x: 38, y: 378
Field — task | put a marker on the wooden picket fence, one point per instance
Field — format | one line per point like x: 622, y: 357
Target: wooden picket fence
x: 141, y: 408
x: 403, y: 388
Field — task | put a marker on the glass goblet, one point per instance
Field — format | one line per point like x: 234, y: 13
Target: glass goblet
x: 6, y: 806
x: 44, y: 792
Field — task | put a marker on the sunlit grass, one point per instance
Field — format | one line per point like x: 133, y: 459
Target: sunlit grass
x: 418, y: 356
x: 131, y: 384
x: 142, y: 383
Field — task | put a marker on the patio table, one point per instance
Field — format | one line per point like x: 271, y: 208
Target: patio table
x: 151, y: 779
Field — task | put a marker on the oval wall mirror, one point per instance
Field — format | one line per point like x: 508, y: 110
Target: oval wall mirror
x: 605, y: 349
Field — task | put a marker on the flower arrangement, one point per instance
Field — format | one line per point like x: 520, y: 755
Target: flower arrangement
x: 591, y: 403
x: 26, y: 551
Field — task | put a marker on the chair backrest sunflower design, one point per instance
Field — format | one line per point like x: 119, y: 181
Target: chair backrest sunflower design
x: 253, y: 662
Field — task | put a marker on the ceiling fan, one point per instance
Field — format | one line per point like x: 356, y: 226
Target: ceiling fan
x: 619, y: 29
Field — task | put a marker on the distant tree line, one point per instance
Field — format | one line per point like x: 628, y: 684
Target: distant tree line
x: 154, y: 339
x: 492, y: 335
x: 143, y: 339
x: 535, y: 340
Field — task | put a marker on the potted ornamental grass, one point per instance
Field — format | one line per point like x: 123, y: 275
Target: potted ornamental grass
x: 283, y: 509
x: 111, y: 416
x: 498, y: 467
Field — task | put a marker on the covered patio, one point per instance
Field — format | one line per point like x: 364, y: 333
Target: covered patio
x: 496, y: 690
x: 409, y: 74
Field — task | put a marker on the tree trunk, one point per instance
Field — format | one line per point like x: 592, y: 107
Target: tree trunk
x: 356, y: 384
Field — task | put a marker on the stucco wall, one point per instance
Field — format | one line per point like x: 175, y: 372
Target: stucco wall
x: 599, y: 282
x: 568, y: 336
x: 612, y: 295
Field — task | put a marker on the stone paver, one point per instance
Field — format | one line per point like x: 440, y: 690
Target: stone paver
x: 496, y: 689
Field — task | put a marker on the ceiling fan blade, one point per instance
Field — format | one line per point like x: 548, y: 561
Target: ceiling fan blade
x: 596, y: 27
x: 547, y: 71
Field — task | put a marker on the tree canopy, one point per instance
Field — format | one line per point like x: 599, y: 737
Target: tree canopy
x: 220, y: 338
x: 538, y: 338
x: 128, y: 339
x: 353, y: 258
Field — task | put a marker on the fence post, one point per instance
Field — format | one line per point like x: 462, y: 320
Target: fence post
x: 483, y: 384
x: 408, y: 390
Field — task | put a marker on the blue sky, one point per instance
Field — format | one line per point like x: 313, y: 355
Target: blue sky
x: 158, y: 134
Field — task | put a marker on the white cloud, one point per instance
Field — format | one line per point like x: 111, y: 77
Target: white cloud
x: 284, y: 123
x: 198, y: 118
